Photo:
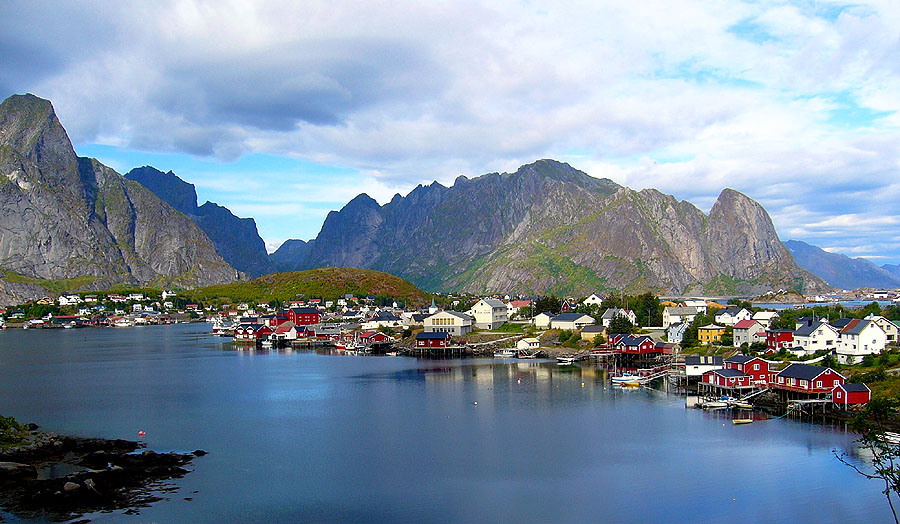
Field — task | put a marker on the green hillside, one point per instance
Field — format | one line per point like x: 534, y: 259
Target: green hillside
x: 323, y: 282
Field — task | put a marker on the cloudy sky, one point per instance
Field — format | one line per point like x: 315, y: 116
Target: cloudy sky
x: 285, y: 110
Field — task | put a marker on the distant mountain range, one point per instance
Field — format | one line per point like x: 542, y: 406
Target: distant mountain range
x: 236, y: 239
x: 551, y: 228
x: 67, y: 218
x: 842, y: 271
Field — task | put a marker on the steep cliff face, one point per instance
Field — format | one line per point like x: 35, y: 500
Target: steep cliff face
x: 63, y: 217
x: 549, y: 227
x: 236, y: 239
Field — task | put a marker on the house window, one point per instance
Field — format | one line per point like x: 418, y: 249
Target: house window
x: 838, y: 394
x: 755, y: 367
x: 837, y: 382
x: 818, y: 383
x: 802, y: 383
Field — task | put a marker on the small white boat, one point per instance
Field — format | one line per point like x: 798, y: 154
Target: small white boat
x: 627, y: 377
x: 505, y: 353
x: 741, y: 421
x: 563, y: 360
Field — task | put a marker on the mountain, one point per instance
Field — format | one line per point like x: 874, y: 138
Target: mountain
x: 323, y: 282
x: 236, y: 239
x: 289, y: 255
x: 551, y: 228
x: 893, y: 269
x: 63, y: 217
x: 839, y: 270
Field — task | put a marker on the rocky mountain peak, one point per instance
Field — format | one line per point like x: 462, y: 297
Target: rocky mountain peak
x: 168, y: 186
x: 29, y: 126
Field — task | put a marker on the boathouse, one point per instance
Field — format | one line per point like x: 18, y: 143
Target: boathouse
x: 432, y: 340
x: 303, y: 316
x: 252, y: 332
x: 851, y: 394
x: 697, y: 366
x: 754, y: 367
x: 727, y: 378
x: 807, y: 379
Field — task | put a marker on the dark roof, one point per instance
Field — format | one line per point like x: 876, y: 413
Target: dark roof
x: 855, y: 327
x: 631, y: 340
x: 385, y: 316
x: 803, y: 371
x: 593, y: 329
x: 727, y: 373
x: 703, y: 361
x: 807, y: 329
x: 856, y: 388
x: 841, y: 322
x: 731, y: 310
x: 740, y: 359
x: 569, y: 317
x: 432, y: 336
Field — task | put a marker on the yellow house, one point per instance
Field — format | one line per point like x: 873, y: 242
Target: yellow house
x: 591, y: 332
x: 711, y: 333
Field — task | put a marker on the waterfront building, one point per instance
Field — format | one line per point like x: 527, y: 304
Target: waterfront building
x: 696, y: 366
x: 754, y: 367
x: 851, y: 394
x: 590, y: 333
x: 807, y: 379
x: 432, y: 340
x: 456, y: 324
x: 530, y: 344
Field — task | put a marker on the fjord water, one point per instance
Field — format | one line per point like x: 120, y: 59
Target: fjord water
x: 302, y: 437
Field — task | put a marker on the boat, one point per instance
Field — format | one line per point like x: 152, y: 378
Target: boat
x: 627, y: 377
x: 565, y: 360
x: 505, y: 353
x: 741, y: 421
x: 632, y: 384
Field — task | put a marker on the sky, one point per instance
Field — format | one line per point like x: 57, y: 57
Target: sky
x: 282, y: 111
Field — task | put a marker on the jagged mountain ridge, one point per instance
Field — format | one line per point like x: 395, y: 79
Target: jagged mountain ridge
x: 236, y: 239
x: 65, y: 217
x: 840, y: 270
x: 551, y: 228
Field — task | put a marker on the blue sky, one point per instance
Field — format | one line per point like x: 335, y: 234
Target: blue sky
x: 283, y: 111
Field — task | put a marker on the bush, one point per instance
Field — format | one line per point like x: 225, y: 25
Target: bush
x: 11, y: 432
x: 564, y: 336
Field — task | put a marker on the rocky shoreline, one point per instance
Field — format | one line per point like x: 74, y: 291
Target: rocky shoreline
x: 60, y: 478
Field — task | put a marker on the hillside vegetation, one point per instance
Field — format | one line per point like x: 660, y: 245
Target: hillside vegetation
x: 323, y: 282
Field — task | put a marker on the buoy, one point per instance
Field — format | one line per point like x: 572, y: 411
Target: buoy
x: 582, y: 384
x: 476, y: 403
x: 141, y: 433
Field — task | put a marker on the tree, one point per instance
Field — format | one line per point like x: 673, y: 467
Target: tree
x: 620, y: 324
x: 727, y: 338
x: 548, y: 304
x: 872, y: 423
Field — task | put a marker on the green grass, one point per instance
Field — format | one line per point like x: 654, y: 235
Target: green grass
x: 512, y: 328
x: 11, y: 432
x: 52, y: 286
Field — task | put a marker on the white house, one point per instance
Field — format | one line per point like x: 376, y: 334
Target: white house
x: 677, y: 314
x: 860, y: 338
x: 542, y: 320
x: 571, y: 321
x: 732, y: 315
x: 697, y: 303
x: 593, y: 300
x: 765, y: 317
x: 69, y: 300
x: 697, y: 366
x: 489, y: 313
x: 456, y: 324
x: 382, y: 319
x: 528, y: 343
x: 890, y: 329
x: 675, y: 332
x: 816, y: 336
x: 613, y: 312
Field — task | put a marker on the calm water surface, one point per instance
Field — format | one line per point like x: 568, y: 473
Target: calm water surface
x: 301, y: 437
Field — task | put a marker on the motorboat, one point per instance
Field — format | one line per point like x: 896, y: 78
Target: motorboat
x: 627, y: 377
x: 506, y: 353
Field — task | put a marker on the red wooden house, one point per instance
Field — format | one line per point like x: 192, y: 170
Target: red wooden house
x: 804, y: 378
x: 303, y: 316
x: 727, y: 378
x: 252, y: 332
x: 432, y: 340
x: 851, y: 394
x: 754, y: 367
x: 779, y: 338
x: 373, y: 337
x: 631, y: 344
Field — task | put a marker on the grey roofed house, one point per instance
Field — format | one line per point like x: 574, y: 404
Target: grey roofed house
x: 568, y: 317
x: 805, y: 321
x: 682, y: 310
x: 703, y: 361
x: 803, y: 371
x: 593, y: 329
x: 807, y: 329
x: 855, y: 329
x: 856, y: 388
x: 493, y: 302
x: 610, y: 313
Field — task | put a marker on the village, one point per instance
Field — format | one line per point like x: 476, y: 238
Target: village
x: 731, y: 355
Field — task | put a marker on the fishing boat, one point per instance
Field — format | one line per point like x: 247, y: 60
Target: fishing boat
x: 565, y: 360
x: 505, y: 353
x: 741, y: 421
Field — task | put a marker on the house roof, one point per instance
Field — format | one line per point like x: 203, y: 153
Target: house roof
x: 841, y: 322
x: 593, y: 329
x: 432, y: 336
x: 856, y: 388
x: 703, y: 361
x: 711, y: 326
x: 730, y: 310
x: 728, y: 373
x: 520, y: 303
x: 739, y: 359
x: 807, y: 329
x: 493, y: 302
x: 855, y: 327
x: 804, y: 371
x: 571, y: 317
x: 745, y: 324
x: 634, y: 340
x: 682, y: 310
x: 304, y: 310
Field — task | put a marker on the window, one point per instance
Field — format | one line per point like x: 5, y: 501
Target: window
x: 836, y: 382
x: 838, y: 394
x: 755, y: 367
x: 818, y: 383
